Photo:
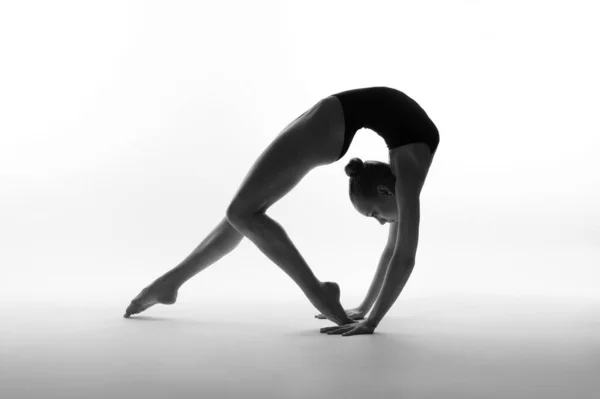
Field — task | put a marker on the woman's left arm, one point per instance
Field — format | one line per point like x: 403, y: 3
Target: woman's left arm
x: 402, y: 261
x: 410, y: 177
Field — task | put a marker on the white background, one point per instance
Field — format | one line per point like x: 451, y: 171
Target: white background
x: 127, y: 126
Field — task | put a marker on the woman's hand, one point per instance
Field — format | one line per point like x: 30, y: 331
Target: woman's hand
x: 349, y: 329
x: 354, y: 314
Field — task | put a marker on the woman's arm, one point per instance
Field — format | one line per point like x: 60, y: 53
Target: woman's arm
x: 398, y: 271
x: 382, y: 267
x: 410, y: 165
x: 401, y: 262
x: 410, y: 176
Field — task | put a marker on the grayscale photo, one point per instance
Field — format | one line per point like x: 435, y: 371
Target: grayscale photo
x: 284, y: 199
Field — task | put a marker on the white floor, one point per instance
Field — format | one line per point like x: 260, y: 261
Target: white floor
x: 438, y: 347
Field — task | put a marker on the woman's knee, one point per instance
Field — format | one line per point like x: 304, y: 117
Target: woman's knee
x: 239, y: 213
x: 233, y: 214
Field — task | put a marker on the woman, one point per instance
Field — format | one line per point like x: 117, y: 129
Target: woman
x: 387, y: 192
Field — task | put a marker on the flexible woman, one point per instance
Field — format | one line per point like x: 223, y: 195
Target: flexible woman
x: 387, y: 192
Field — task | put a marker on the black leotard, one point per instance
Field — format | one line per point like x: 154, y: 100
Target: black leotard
x: 397, y: 118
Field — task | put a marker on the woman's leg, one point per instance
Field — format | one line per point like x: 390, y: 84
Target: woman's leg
x: 305, y: 144
x: 220, y: 241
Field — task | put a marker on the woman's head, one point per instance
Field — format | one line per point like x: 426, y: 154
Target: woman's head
x: 372, y: 186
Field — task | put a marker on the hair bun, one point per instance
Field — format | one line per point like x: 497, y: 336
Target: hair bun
x: 354, y: 167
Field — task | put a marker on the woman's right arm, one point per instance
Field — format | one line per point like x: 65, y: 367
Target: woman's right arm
x: 379, y: 276
x: 376, y: 284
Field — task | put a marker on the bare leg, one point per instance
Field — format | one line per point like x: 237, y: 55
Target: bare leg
x: 273, y: 241
x: 313, y: 140
x: 219, y: 242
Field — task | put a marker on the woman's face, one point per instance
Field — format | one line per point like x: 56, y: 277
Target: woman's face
x: 383, y: 207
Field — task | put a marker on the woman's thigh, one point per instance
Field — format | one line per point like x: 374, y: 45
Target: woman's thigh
x: 306, y: 143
